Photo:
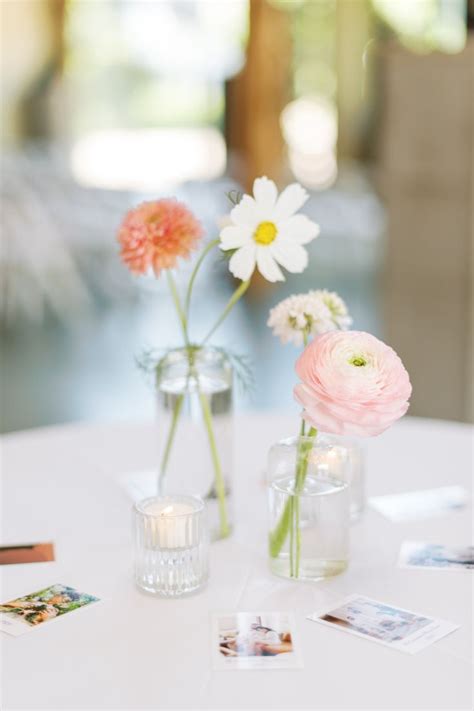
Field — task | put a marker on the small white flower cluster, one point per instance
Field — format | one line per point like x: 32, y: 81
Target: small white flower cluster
x: 308, y: 314
x: 337, y: 307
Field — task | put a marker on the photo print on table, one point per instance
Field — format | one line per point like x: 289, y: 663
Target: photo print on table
x: 434, y: 556
x: 419, y: 505
x: 26, y: 553
x: 392, y: 626
x: 254, y: 640
x: 25, y: 613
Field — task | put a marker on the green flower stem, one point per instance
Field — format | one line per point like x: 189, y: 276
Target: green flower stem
x: 297, y: 537
x: 292, y: 534
x: 290, y: 517
x: 183, y: 314
x: 179, y: 308
x: 169, y: 442
x: 302, y: 467
x: 304, y: 450
x: 301, y: 471
x: 279, y: 534
x: 240, y: 291
x: 189, y: 291
x: 179, y: 400
x: 219, y: 479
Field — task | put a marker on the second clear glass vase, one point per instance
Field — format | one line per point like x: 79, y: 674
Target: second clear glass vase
x: 309, y: 503
x: 195, y: 426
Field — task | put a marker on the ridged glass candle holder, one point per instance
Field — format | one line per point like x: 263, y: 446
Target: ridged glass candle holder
x: 171, y: 539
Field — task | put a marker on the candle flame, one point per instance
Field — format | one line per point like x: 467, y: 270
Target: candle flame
x: 167, y: 510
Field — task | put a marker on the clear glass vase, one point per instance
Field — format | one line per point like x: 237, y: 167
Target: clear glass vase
x: 195, y: 418
x: 309, y: 502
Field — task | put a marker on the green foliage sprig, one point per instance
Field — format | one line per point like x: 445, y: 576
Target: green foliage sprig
x: 152, y: 362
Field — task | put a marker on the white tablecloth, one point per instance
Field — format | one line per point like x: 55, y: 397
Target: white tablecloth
x: 133, y: 651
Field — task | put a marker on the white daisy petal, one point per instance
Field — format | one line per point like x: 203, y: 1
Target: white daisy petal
x: 291, y: 199
x: 235, y: 236
x: 246, y: 212
x: 265, y: 192
x: 293, y: 257
x: 267, y: 266
x: 298, y: 228
x: 242, y: 263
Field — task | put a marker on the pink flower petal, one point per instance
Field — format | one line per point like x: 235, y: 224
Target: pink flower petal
x: 341, y: 397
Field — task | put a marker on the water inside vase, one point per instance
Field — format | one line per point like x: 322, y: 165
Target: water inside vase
x: 324, y: 526
x: 187, y: 465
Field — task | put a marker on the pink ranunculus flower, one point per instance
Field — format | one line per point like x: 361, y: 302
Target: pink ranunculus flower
x: 155, y: 234
x: 351, y: 384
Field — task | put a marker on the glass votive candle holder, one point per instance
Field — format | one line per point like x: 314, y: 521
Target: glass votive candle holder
x: 171, y: 540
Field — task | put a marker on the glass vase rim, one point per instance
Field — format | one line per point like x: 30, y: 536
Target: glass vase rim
x: 197, y: 501
x: 318, y: 441
x: 183, y: 352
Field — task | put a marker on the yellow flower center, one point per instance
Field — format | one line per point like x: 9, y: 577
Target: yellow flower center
x: 265, y: 233
x: 358, y: 361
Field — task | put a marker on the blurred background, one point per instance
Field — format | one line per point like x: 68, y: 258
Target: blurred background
x: 368, y: 103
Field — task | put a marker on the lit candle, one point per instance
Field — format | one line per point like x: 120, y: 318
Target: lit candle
x: 170, y: 521
x: 331, y: 461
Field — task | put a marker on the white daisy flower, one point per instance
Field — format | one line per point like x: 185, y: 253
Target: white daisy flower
x: 306, y: 315
x: 265, y: 232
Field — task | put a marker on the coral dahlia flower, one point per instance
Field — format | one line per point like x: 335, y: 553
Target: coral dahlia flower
x: 155, y: 234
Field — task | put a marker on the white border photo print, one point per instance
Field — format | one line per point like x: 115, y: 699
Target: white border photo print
x: 254, y: 640
x: 419, y: 505
x: 391, y: 626
x: 435, y: 556
x: 28, y: 612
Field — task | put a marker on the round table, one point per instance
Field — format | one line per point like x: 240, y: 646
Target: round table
x: 134, y: 651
